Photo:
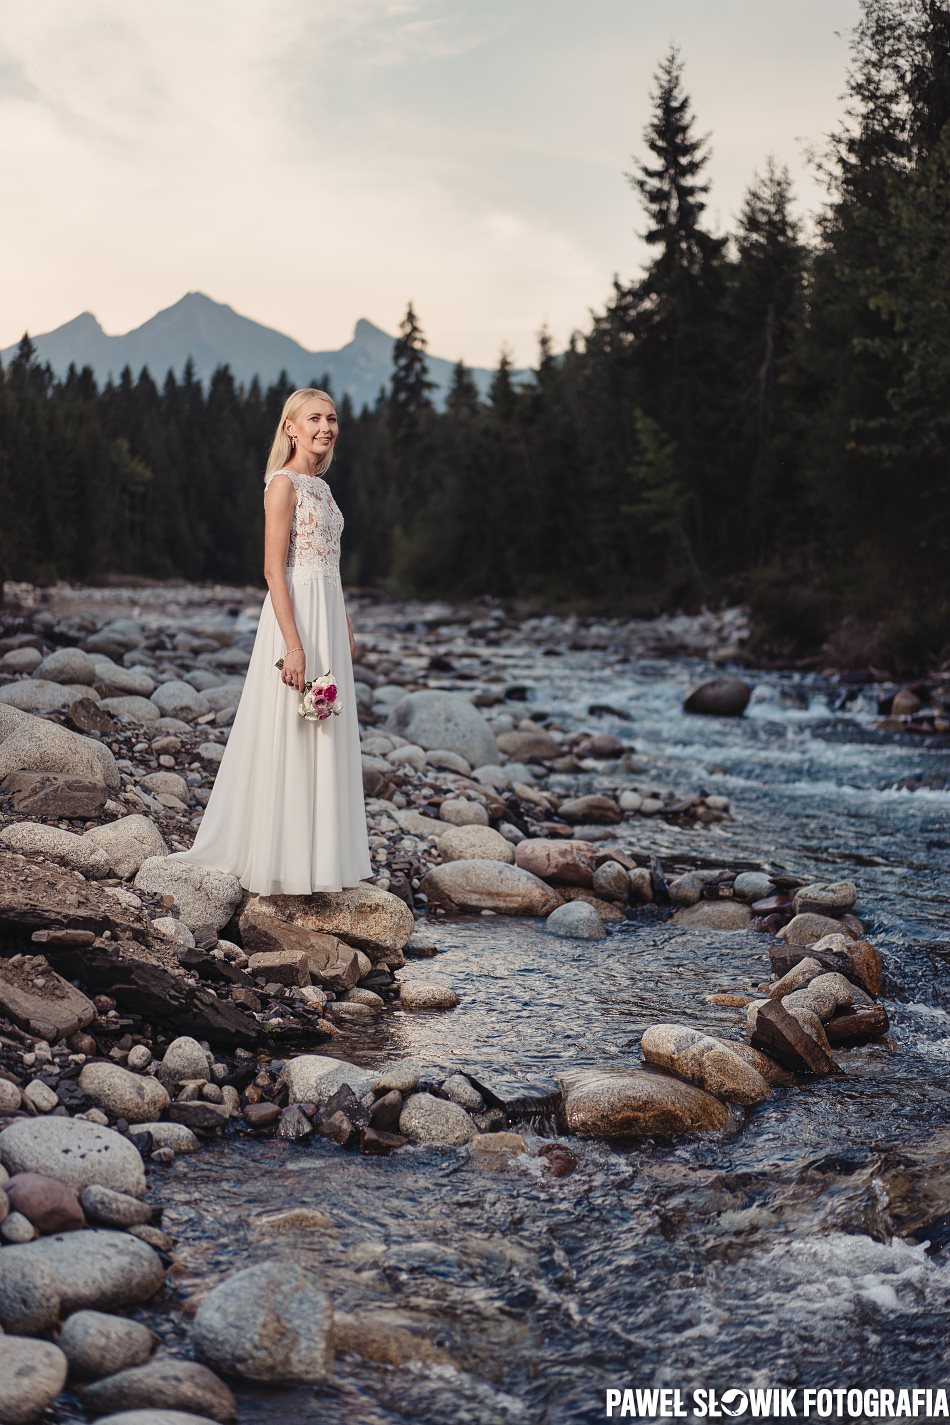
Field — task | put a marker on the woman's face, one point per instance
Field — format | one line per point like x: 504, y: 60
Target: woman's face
x: 315, y: 427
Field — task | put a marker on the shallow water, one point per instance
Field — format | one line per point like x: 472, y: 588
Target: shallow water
x: 757, y: 1258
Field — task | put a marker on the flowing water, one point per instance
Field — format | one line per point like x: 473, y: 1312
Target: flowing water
x: 758, y: 1258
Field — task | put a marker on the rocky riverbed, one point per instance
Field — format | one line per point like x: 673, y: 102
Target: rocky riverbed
x: 152, y: 1012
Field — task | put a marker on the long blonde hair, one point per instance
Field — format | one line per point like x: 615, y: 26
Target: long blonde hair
x: 282, y: 450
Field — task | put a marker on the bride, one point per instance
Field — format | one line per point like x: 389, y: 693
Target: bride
x: 286, y: 812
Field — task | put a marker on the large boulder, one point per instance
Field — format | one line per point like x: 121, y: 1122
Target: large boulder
x: 40, y: 1001
x: 721, y: 697
x: 427, y: 1119
x: 460, y: 843
x: 330, y: 961
x: 94, y: 1267
x: 128, y: 842
x: 364, y: 916
x: 807, y: 927
x: 122, y: 1094
x: 489, y: 885
x: 30, y: 743
x: 315, y: 1078
x: 705, y: 1061
x: 66, y: 847
x: 32, y: 1374
x: 204, y: 895
x: 270, y: 1322
x: 622, y: 1103
x: 74, y: 1151
x: 433, y: 718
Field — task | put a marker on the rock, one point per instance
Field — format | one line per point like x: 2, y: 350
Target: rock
x: 857, y: 1026
x: 29, y: 1297
x: 49, y: 1205
x: 720, y: 697
x: 575, y: 920
x: 614, y: 1103
x: 687, y: 889
x: 176, y: 1136
x: 139, y: 1057
x: 154, y: 1417
x: 333, y: 963
x: 433, y: 718
x: 179, y: 699
x: 496, y: 1149
x: 401, y: 1077
x: 16, y: 1228
x: 806, y: 928
x: 569, y: 862
x: 37, y: 795
x: 772, y: 1072
x: 34, y: 744
x: 752, y: 885
x: 531, y: 745
x: 204, y: 895
x: 315, y: 1078
x: 291, y: 1220
x: 457, y: 811
x: 426, y: 1119
x: 829, y: 898
x: 280, y: 967
x: 260, y: 1115
x: 66, y: 847
x: 780, y: 1035
x: 593, y: 807
x: 91, y: 1268
x: 270, y: 1322
x: 380, y: 1341
x: 460, y: 1090
x: 166, y: 1383
x: 127, y: 842
x: 857, y: 959
x: 114, y: 1209
x: 32, y: 1373
x: 67, y: 665
x: 10, y: 1097
x: 824, y: 995
x: 97, y: 1344
x: 123, y: 1094
x: 612, y: 881
x: 713, y: 915
x: 73, y: 1151
x: 423, y: 994
x: 40, y: 1096
x: 705, y: 1061
x: 40, y: 1001
x: 184, y: 1059
x: 384, y: 1114
x: 462, y: 843
x: 198, y: 1115
x: 363, y: 916
x: 488, y: 885
x: 806, y: 969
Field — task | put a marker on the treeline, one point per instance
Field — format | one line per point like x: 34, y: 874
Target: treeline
x: 755, y: 416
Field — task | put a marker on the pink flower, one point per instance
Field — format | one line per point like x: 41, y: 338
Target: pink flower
x: 330, y: 693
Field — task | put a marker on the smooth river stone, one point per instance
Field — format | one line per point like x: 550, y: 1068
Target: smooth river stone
x: 73, y: 1151
x: 32, y: 1374
x: 619, y: 1103
x: 489, y: 885
x: 93, y: 1268
x: 270, y: 1322
x: 707, y: 1062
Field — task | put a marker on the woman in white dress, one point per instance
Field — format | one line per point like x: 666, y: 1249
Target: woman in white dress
x: 286, y: 812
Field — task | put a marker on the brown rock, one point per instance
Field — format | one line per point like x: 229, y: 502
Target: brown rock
x: 261, y: 1114
x: 560, y: 1161
x: 51, y: 1206
x: 858, y: 1026
x: 40, y: 1001
x: 594, y: 808
x: 489, y: 885
x: 614, y: 1103
x: 563, y: 862
x: 363, y: 916
x: 780, y: 1035
x: 283, y: 967
x: 378, y: 1143
x: 53, y: 794
x: 713, y: 915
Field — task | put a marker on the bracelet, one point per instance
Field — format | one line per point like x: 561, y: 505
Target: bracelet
x: 292, y: 650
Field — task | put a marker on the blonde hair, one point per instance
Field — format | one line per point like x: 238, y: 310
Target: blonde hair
x: 282, y: 450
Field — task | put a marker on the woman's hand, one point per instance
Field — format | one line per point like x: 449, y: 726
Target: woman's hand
x: 294, y: 669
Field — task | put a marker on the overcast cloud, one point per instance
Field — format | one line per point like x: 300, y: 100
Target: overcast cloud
x: 315, y: 163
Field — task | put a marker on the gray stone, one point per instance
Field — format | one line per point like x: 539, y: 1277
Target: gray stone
x: 67, y: 665
x: 93, y: 1268
x: 65, y: 847
x: 457, y: 811
x: 127, y: 842
x: 752, y: 885
x: 460, y: 843
x: 270, y: 1322
x: 29, y: 1296
x: 705, y: 1061
x: 713, y: 915
x: 17, y: 1227
x: 184, y: 1059
x: 32, y: 1374
x: 166, y: 1383
x: 73, y: 1151
x: 825, y: 898
x: 576, y: 920
x: 41, y: 1001
x: 488, y: 885
x: 458, y: 1088
x: 155, y: 1417
x: 176, y: 1136
x: 205, y: 896
x: 314, y: 1078
x: 118, y: 1091
x: 98, y: 1344
x: 113, y: 1209
x: 180, y: 700
x: 426, y: 1119
x: 434, y: 718
x: 424, y: 994
x: 30, y: 743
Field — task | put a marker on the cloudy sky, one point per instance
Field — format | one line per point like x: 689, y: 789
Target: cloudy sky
x: 313, y: 163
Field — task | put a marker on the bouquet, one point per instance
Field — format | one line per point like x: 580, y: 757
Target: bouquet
x: 319, y: 697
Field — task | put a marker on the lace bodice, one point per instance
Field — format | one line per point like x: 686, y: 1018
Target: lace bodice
x: 317, y: 525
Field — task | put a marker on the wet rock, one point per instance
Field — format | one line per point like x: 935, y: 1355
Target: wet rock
x: 824, y: 995
x: 365, y: 917
x: 385, y: 1112
x: 380, y: 1341
x: 591, y: 808
x: 40, y: 1001
x: 167, y: 1384
x: 488, y: 885
x: 752, y: 885
x: 426, y: 1119
x: 314, y: 1078
x: 97, y: 1344
x: 291, y: 1220
x: 113, y: 1209
x: 829, y: 898
x: 424, y: 994
x: 495, y: 1150
x: 32, y: 1374
x: 559, y: 1160
x: 184, y: 1059
x: 270, y: 1322
x: 806, y: 928
x: 719, y: 697
x: 204, y: 895
x: 433, y: 718
x: 773, y: 1073
x: 460, y: 843
x: 73, y: 1151
x: 378, y: 1143
x: 612, y: 881
x: 127, y: 842
x: 857, y: 1026
x: 338, y: 1127
x: 177, y: 1137
x: 402, y: 1076
x: 260, y: 1115
x: 781, y: 1035
x: 613, y: 1103
x: 198, y: 1115
x: 460, y: 1090
x: 713, y: 915
x: 92, y: 1268
x: 575, y: 920
x: 122, y: 1094
x: 796, y: 978
x: 857, y: 959
x: 49, y: 1205
x: 294, y: 1123
x: 566, y: 862
x: 705, y: 1061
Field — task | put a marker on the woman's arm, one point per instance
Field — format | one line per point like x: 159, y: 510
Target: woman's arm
x: 280, y: 497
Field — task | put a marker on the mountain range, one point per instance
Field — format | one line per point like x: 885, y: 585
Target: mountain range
x: 214, y: 334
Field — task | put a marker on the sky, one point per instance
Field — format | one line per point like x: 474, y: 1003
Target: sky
x: 314, y: 163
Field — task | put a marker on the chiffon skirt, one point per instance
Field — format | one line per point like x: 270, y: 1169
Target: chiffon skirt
x: 286, y: 812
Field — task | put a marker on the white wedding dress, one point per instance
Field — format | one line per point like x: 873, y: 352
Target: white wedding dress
x: 286, y: 813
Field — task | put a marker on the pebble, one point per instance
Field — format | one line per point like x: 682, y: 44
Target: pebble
x: 114, y: 1209
x: 40, y: 1096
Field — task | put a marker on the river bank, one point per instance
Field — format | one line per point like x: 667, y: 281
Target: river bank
x: 606, y: 780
